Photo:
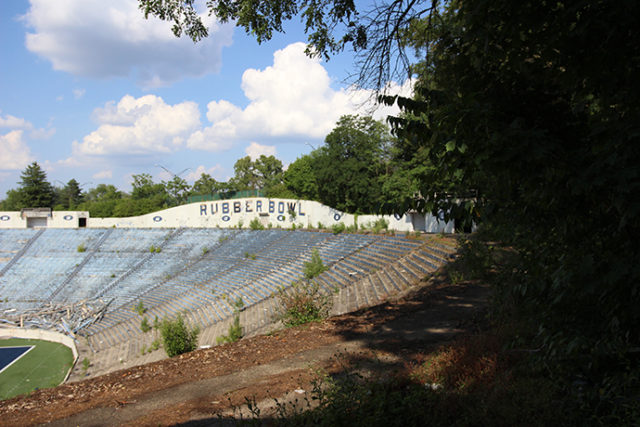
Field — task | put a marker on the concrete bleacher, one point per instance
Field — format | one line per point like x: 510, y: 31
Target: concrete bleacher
x: 197, y: 272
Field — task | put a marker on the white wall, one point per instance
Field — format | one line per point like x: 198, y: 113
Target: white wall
x: 277, y: 212
x: 58, y: 219
x: 230, y: 213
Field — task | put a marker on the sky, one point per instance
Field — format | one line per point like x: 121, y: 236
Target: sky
x: 94, y: 92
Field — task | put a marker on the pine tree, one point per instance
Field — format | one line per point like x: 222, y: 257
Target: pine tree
x: 35, y: 191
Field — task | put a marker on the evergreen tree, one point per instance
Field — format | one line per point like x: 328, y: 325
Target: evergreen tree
x: 35, y: 191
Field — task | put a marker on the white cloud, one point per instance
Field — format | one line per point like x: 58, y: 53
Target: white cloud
x: 255, y: 150
x: 13, y: 122
x: 139, y: 126
x: 291, y: 98
x: 17, y: 123
x: 78, y: 93
x: 14, y: 152
x: 94, y: 38
x: 104, y: 174
x: 215, y: 171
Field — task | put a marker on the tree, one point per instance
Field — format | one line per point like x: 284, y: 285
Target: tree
x: 350, y: 167
x: 265, y: 173
x: 34, y: 190
x: 206, y: 185
x: 300, y: 178
x: 531, y: 106
x: 70, y: 196
x: 377, y: 33
x: 177, y: 189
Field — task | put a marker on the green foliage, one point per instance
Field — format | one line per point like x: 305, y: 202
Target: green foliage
x: 235, y: 329
x: 302, y: 303
x: 205, y: 250
x: 144, y: 325
x: 338, y: 228
x: 527, y: 120
x: 248, y: 255
x: 255, y: 224
x: 85, y: 364
x: 139, y: 308
x: 34, y: 190
x: 81, y: 247
x: 314, y: 267
x: 155, y: 249
x: 177, y: 338
x: 300, y: 177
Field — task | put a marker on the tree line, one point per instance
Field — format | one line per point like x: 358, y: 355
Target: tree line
x: 347, y: 172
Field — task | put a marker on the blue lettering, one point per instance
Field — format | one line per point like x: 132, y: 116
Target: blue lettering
x: 291, y: 207
x: 247, y: 206
x: 272, y: 206
x: 236, y: 207
x: 225, y: 208
x: 259, y: 206
x: 203, y: 210
x: 214, y: 211
x: 280, y: 207
x: 300, y: 209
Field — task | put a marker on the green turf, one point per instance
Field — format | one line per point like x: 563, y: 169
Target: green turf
x: 44, y: 366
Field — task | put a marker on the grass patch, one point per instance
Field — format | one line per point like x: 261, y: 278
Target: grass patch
x: 43, y: 367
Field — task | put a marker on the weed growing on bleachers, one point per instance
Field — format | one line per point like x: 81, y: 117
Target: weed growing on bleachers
x: 177, y: 337
x: 338, y: 228
x: 249, y: 255
x: 235, y: 329
x: 82, y: 247
x: 139, y: 308
x: 302, y: 303
x: 205, y: 250
x: 221, y: 239
x: 85, y: 364
x: 155, y: 249
x: 255, y: 224
x: 144, y: 325
x: 314, y: 267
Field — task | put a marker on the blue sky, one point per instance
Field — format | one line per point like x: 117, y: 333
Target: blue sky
x: 92, y: 91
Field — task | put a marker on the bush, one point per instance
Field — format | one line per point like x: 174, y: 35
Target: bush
x: 144, y: 325
x: 235, y: 329
x: 82, y: 247
x: 139, y: 308
x: 315, y: 266
x: 379, y: 225
x: 338, y: 228
x: 255, y: 224
x: 177, y: 338
x: 302, y: 303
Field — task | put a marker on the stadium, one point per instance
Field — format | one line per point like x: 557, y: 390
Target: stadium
x: 94, y: 281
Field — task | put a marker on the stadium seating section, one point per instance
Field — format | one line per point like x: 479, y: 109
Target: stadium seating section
x: 186, y: 270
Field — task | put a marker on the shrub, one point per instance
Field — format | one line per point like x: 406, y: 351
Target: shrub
x: 85, y: 364
x: 255, y: 224
x: 338, y: 228
x: 144, y: 325
x: 155, y: 249
x: 248, y: 255
x: 315, y: 266
x: 379, y: 225
x: 302, y: 303
x: 205, y: 250
x: 82, y: 247
x: 235, y: 329
x: 139, y: 308
x: 177, y: 338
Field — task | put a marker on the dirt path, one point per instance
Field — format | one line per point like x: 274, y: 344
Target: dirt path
x: 193, y: 388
